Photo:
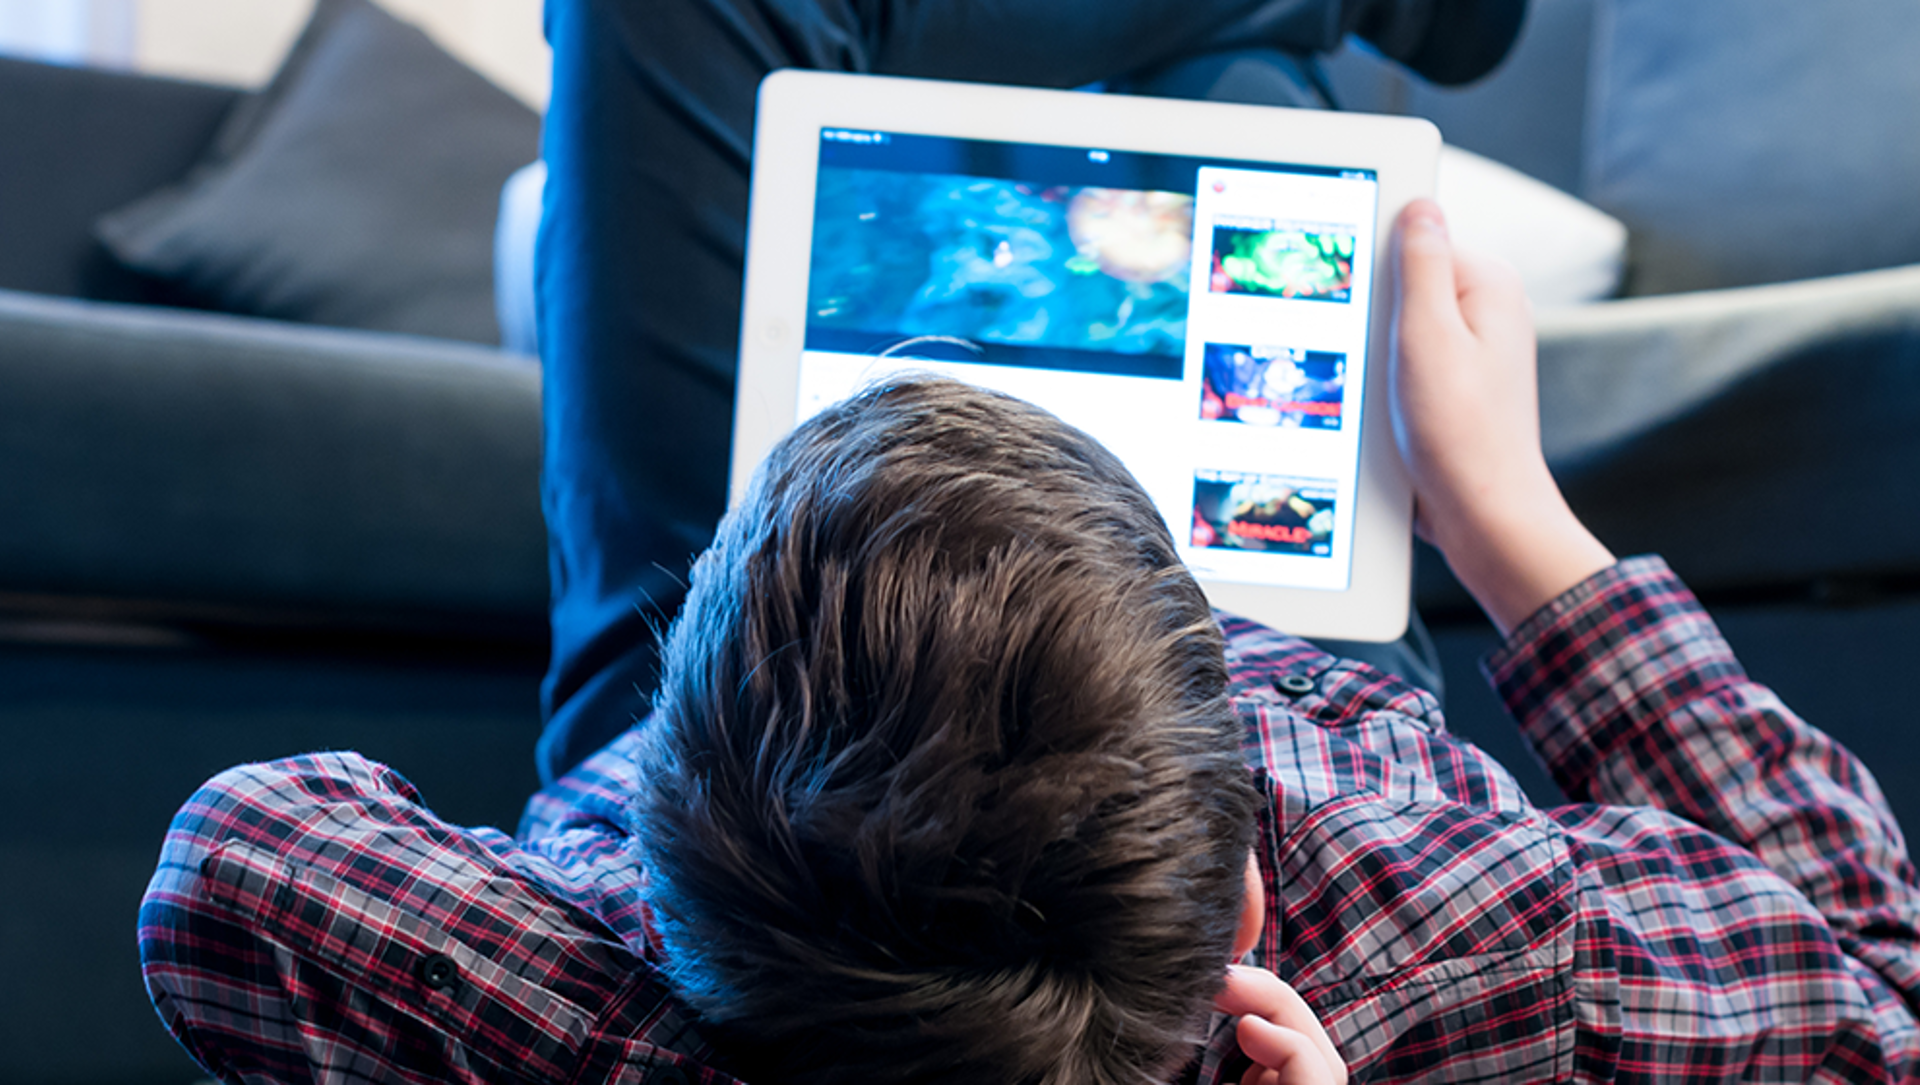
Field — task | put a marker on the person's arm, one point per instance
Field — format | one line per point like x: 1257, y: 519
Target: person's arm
x: 310, y: 918
x: 1631, y: 697
x: 1621, y: 681
x: 1466, y: 418
x: 1759, y: 908
x: 1714, y: 789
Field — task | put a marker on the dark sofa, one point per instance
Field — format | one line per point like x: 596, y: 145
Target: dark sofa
x: 225, y: 538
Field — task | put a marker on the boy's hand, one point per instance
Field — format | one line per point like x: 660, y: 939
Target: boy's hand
x: 1278, y: 1032
x: 1466, y: 416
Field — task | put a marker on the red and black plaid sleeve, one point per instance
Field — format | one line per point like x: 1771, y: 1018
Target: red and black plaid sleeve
x: 1731, y: 903
x: 310, y: 921
x: 1762, y: 906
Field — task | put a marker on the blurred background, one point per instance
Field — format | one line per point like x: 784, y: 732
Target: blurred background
x: 241, y: 41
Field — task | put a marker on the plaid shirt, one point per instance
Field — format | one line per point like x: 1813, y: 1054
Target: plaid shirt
x: 1729, y: 898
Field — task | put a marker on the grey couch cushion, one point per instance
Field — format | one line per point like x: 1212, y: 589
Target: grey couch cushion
x: 359, y: 189
x: 1761, y: 438
x: 193, y: 460
x: 1756, y: 437
x: 521, y: 203
x: 1752, y: 141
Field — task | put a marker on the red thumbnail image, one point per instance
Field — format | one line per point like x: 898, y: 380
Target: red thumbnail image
x: 1283, y: 387
x: 1276, y: 514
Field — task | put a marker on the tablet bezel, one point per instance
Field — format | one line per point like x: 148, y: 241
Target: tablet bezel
x: 794, y: 106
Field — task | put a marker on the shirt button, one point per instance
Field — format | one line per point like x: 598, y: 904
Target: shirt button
x: 438, y: 971
x: 1294, y: 685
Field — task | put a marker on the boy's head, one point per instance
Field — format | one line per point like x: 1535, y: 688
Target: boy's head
x: 943, y: 783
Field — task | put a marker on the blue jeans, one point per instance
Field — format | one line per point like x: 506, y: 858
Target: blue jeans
x: 642, y: 245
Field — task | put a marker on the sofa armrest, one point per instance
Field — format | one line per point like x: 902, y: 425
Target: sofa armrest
x: 198, y: 464
x: 1759, y: 437
x: 1609, y: 371
x: 1762, y: 438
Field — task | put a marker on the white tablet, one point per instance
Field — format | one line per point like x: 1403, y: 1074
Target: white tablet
x: 1202, y: 287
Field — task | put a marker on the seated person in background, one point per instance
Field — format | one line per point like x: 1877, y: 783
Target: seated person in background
x: 953, y: 777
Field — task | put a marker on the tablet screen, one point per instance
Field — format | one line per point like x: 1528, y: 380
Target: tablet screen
x: 1205, y: 319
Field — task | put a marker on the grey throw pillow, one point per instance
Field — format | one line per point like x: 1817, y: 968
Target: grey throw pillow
x: 1744, y: 141
x: 359, y: 189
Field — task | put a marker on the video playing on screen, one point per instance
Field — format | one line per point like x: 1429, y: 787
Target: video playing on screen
x: 1063, y: 271
x: 1234, y: 510
x: 1272, y: 386
x: 1281, y: 261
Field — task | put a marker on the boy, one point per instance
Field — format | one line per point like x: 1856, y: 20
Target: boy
x: 947, y: 781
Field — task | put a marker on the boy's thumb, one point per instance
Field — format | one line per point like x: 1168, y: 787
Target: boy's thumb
x: 1424, y: 286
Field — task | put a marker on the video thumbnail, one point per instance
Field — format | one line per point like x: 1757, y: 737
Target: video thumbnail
x: 989, y: 261
x: 1272, y: 386
x: 1273, y: 514
x: 1281, y: 261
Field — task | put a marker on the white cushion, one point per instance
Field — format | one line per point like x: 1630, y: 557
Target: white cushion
x: 1566, y: 251
x: 513, y: 238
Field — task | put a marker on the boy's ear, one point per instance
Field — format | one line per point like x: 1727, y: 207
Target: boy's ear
x: 1253, y: 911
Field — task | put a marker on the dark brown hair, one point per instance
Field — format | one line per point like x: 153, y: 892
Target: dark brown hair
x: 942, y: 783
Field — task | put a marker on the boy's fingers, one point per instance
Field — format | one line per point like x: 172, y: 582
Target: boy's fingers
x: 1257, y: 994
x: 1424, y: 286
x: 1490, y: 291
x: 1285, y: 1057
x: 1260, y: 993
